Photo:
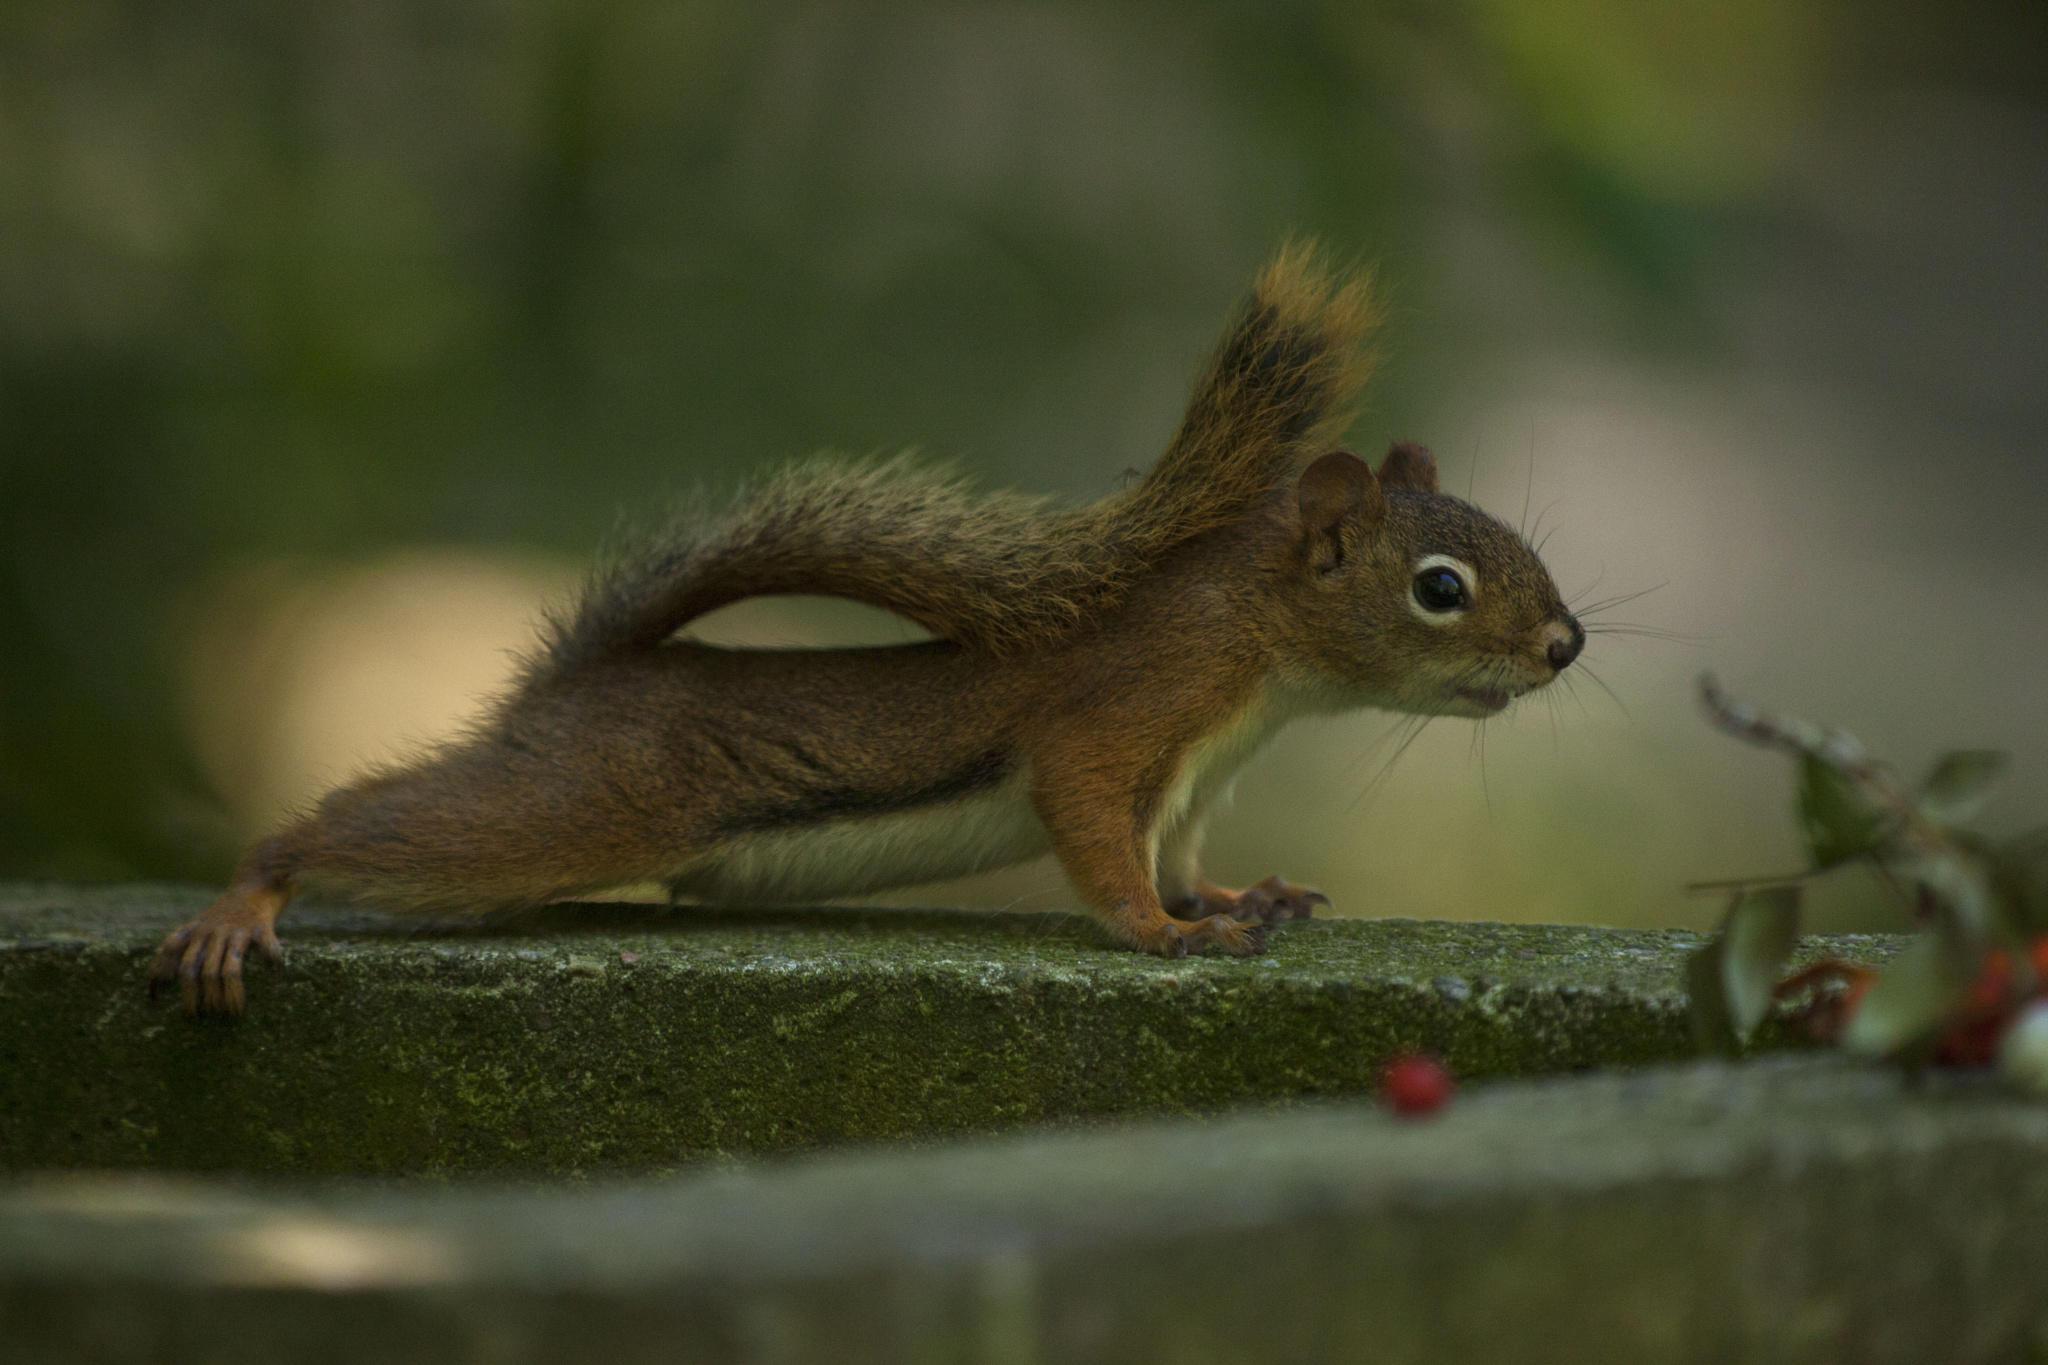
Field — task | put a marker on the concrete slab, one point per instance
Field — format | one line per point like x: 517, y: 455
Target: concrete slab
x: 594, y: 1038
x: 1790, y: 1209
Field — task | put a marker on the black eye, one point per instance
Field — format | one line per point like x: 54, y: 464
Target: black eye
x: 1440, y: 590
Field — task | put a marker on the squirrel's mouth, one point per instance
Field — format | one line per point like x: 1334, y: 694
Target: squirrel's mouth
x: 1488, y: 699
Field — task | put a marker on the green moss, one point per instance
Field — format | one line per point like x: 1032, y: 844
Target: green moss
x: 607, y: 1037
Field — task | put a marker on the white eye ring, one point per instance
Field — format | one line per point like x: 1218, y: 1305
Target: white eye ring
x: 1465, y: 574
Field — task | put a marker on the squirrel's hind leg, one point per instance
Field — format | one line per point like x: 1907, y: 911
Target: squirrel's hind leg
x: 484, y: 825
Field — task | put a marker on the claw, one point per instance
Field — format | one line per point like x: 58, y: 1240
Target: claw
x: 1270, y: 900
x: 163, y: 968
x: 1231, y: 935
x: 205, y: 956
x: 210, y: 991
x: 231, y: 998
x: 188, y: 971
x: 1172, y: 943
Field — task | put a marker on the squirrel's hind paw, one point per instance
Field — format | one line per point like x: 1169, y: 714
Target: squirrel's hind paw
x: 1266, y: 902
x: 205, y: 956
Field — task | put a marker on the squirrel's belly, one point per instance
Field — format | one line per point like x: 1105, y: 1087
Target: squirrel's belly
x: 855, y: 854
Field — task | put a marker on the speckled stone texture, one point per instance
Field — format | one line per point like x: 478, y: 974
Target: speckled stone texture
x: 598, y: 1038
x: 1789, y: 1209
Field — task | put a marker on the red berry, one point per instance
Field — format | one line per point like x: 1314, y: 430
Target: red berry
x: 1989, y: 990
x: 1973, y: 1042
x: 1974, y: 1034
x: 1416, y: 1083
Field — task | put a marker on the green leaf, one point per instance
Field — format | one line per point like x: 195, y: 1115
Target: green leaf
x: 1918, y: 993
x: 1963, y: 901
x: 1712, y: 1028
x: 1839, y: 821
x: 1759, y: 933
x: 2019, y: 873
x: 1960, y: 785
x: 1734, y: 979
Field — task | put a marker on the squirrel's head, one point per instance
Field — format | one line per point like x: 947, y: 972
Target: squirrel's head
x: 1418, y: 601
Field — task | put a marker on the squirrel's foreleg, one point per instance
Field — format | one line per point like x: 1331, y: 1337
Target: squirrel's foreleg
x: 1103, y: 827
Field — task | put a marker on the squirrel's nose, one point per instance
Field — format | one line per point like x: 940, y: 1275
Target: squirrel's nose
x: 1564, y: 649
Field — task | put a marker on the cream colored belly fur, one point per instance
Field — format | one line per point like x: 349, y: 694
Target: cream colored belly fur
x: 957, y: 838
x: 989, y: 829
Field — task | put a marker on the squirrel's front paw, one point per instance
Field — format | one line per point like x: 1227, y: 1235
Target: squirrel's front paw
x: 1178, y: 938
x: 1167, y: 939
x: 1227, y: 934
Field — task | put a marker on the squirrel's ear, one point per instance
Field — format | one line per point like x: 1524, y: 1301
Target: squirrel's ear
x: 1340, y: 501
x: 1408, y: 465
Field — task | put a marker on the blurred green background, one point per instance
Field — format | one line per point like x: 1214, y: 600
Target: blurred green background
x: 333, y: 339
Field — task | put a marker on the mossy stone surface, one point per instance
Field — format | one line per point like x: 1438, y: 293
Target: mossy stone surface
x: 606, y: 1037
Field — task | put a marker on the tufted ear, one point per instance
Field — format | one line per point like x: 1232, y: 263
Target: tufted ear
x: 1409, y: 465
x: 1341, y: 503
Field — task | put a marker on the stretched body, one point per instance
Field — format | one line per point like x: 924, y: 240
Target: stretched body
x: 1101, y: 674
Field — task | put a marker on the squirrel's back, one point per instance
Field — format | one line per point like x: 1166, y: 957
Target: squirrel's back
x: 1006, y: 572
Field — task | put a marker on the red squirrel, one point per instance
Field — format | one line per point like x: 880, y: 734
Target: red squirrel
x: 1098, y: 676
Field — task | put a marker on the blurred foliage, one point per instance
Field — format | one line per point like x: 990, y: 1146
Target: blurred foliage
x: 322, y: 280
x: 1955, y: 995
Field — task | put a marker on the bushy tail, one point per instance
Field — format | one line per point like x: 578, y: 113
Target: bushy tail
x: 1006, y: 572
x: 892, y: 533
x: 1279, y: 391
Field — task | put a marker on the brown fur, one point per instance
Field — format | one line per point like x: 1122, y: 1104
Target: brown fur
x: 1101, y: 673
x: 1009, y: 572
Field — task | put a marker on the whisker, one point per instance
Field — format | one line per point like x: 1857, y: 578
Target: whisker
x: 1572, y: 690
x: 1529, y: 485
x: 1379, y: 742
x: 1420, y: 723
x: 1608, y: 690
x: 1399, y: 736
x: 1485, y: 790
x: 1646, y: 632
x: 1365, y: 756
x: 1610, y: 603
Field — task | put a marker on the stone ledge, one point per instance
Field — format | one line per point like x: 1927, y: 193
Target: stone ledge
x: 1791, y: 1209
x: 589, y: 1038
